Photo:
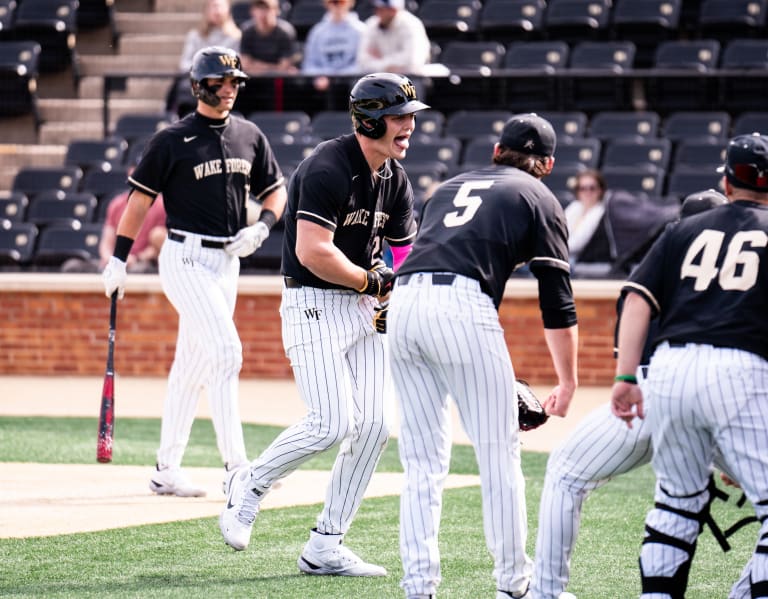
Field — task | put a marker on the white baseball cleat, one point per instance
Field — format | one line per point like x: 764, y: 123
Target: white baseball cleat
x: 566, y: 595
x: 325, y: 555
x: 237, y: 517
x: 229, y: 473
x: 172, y: 481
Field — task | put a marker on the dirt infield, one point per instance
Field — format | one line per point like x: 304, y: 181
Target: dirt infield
x: 78, y: 498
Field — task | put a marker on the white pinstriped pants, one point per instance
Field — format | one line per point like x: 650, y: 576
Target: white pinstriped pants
x: 701, y: 396
x: 201, y: 283
x: 446, y: 340
x: 342, y: 371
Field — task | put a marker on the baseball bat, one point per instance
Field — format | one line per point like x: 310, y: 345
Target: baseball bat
x: 107, y: 412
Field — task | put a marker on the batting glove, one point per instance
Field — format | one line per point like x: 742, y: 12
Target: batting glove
x: 114, y: 277
x: 380, y: 317
x: 247, y: 240
x: 378, y: 280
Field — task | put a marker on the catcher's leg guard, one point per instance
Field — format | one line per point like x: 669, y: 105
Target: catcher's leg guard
x: 671, y: 531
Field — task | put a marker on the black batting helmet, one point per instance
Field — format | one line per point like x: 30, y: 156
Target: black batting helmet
x: 213, y: 62
x: 378, y: 94
x: 701, y: 201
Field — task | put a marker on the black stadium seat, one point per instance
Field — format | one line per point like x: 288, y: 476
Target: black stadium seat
x: 613, y: 125
x: 450, y: 20
x: 576, y: 21
x: 13, y: 206
x: 31, y: 180
x: 507, y: 21
x: 58, y: 243
x: 17, y: 244
x: 57, y: 207
x: 648, y: 154
x: 466, y: 124
x: 19, y: 63
x: 646, y: 23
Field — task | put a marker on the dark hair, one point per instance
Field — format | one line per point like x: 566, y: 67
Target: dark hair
x: 596, y: 175
x: 530, y: 163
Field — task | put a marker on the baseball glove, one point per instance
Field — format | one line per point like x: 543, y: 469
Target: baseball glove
x: 530, y: 412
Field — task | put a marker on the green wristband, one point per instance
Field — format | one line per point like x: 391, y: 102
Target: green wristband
x: 626, y: 378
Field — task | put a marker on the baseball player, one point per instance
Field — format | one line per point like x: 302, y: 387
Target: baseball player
x: 706, y: 279
x: 345, y: 199
x: 205, y: 165
x: 600, y: 448
x: 446, y: 340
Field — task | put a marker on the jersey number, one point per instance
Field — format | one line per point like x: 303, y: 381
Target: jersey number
x: 740, y: 266
x: 467, y: 204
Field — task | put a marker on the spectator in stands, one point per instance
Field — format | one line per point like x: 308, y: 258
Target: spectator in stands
x: 217, y: 28
x: 146, y: 248
x: 585, y: 213
x: 394, y: 40
x: 331, y: 46
x: 269, y: 43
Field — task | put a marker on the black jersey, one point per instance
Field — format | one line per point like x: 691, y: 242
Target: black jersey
x: 707, y: 278
x: 205, y: 169
x: 484, y: 223
x: 333, y: 187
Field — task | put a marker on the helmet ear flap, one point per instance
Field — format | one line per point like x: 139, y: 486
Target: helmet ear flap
x: 370, y: 127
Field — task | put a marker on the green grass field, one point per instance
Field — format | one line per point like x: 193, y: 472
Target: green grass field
x: 189, y: 559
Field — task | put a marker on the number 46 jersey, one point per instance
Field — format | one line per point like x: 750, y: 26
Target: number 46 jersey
x: 484, y: 223
x: 707, y: 278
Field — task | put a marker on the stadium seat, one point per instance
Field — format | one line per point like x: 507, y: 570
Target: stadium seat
x: 95, y: 14
x: 443, y: 150
x: 507, y: 21
x: 567, y: 123
x: 19, y: 61
x: 749, y: 122
x: 576, y: 21
x: 613, y: 125
x: 477, y: 56
x: 57, y: 207
x: 647, y: 154
x: 537, y: 90
x: 728, y: 19
x: 52, y: 24
x: 744, y: 66
x: 430, y: 123
x: 477, y: 151
x: 634, y: 180
x: 289, y: 155
x: 646, y: 23
x: 135, y: 125
x: 450, y: 20
x: 241, y: 12
x: 96, y: 154
x: 714, y: 126
x: 31, y: 180
x: 563, y: 179
x: 304, y: 14
x: 105, y: 184
x: 597, y: 84
x: 7, y: 16
x: 697, y: 153
x: 583, y: 151
x: 288, y: 126
x: 17, y: 244
x: 13, y: 206
x: 669, y: 90
x: 328, y: 124
x: 58, y: 243
x: 683, y: 181
x: 424, y: 177
x: 466, y: 124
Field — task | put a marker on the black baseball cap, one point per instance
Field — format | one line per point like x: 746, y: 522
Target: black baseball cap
x: 701, y: 201
x: 746, y: 162
x: 529, y: 134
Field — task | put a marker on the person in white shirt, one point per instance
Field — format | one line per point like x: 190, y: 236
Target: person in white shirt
x: 394, y: 40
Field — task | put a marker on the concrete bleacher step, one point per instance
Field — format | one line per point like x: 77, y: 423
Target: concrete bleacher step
x: 101, y: 64
x: 90, y: 109
x: 139, y: 88
x: 152, y: 44
x: 14, y: 156
x: 157, y: 23
x: 177, y: 6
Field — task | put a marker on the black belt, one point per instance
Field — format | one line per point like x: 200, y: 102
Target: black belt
x: 206, y: 243
x: 677, y: 343
x: 292, y: 283
x: 438, y: 278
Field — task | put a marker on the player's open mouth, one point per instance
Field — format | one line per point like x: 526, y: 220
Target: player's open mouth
x: 402, y: 142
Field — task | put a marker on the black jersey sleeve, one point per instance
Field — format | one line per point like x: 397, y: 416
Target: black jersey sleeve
x: 550, y: 248
x: 401, y: 224
x: 151, y: 173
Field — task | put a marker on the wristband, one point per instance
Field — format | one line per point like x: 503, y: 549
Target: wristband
x: 123, y: 246
x: 626, y: 378
x: 268, y: 217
